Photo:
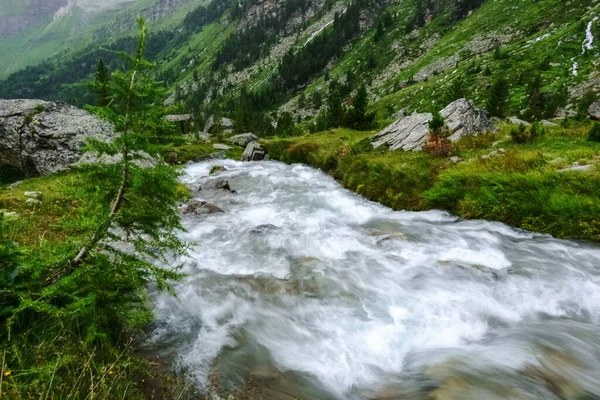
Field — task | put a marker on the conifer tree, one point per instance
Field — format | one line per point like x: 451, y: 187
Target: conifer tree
x: 497, y: 104
x: 101, y: 84
x: 335, y: 106
x: 358, y: 115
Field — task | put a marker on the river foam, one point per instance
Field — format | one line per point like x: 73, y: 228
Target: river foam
x: 342, y: 298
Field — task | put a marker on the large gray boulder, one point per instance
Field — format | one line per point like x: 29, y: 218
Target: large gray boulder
x: 594, y: 111
x: 254, y: 152
x: 42, y: 137
x: 243, y: 139
x: 410, y: 133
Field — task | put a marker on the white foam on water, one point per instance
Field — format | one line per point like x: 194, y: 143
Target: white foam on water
x: 352, y: 293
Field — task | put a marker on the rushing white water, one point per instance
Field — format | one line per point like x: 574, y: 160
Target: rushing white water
x: 319, y: 294
x: 588, y: 43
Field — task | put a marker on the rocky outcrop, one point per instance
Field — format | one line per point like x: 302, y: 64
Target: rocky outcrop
x: 43, y: 137
x: 254, y: 152
x: 594, y: 111
x: 410, y: 133
x: 244, y: 139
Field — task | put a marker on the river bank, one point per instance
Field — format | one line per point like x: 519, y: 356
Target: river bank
x: 530, y: 186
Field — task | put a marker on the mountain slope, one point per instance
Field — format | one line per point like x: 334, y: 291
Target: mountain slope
x: 34, y: 30
x: 284, y: 55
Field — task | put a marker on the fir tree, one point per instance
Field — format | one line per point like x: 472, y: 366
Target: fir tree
x: 335, y: 106
x: 358, y: 116
x: 457, y: 90
x: 497, y: 103
x: 101, y: 84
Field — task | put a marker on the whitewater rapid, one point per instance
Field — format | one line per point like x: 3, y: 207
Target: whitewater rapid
x: 317, y: 293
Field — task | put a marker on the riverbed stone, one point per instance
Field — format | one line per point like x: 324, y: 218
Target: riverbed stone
x: 201, y: 207
x: 243, y: 139
x: 254, y: 152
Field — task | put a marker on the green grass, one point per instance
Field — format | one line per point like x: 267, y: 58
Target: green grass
x: 521, y: 186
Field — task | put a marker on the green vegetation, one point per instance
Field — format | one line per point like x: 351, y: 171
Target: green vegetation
x: 520, y: 185
x: 73, y: 297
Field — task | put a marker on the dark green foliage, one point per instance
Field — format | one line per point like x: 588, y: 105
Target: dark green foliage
x: 335, y: 106
x: 438, y: 144
x: 101, y: 84
x: 594, y: 133
x: 457, y: 90
x: 497, y: 104
x: 358, y: 116
x: 522, y: 134
x: 584, y: 103
x: 437, y: 125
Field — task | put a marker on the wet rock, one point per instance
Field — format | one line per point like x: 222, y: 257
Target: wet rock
x: 42, y: 138
x: 220, y: 146
x: 219, y: 155
x: 594, y: 111
x: 517, y: 121
x: 261, y: 229
x: 216, y: 169
x: 244, y: 139
x: 410, y: 133
x: 201, y: 207
x: 254, y: 152
x: 217, y: 184
x: 391, y: 236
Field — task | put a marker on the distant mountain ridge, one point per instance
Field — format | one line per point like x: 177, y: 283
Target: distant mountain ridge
x: 283, y: 55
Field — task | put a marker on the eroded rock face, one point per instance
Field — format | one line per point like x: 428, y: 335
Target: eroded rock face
x: 254, y: 152
x: 42, y: 137
x: 410, y: 133
x: 243, y: 139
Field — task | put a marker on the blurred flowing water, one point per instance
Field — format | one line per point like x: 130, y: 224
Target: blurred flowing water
x: 304, y: 290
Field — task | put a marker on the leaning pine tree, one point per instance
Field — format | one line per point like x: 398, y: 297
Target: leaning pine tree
x: 68, y: 315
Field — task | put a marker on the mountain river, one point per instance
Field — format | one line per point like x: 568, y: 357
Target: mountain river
x: 304, y: 290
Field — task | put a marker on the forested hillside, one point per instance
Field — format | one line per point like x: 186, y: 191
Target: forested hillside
x: 259, y: 60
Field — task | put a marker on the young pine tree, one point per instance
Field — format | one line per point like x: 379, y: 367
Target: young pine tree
x: 438, y: 144
x: 101, y: 84
x: 74, y: 304
x: 497, y: 103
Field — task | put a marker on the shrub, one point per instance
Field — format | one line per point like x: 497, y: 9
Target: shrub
x: 521, y: 134
x: 438, y: 144
x: 594, y: 133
